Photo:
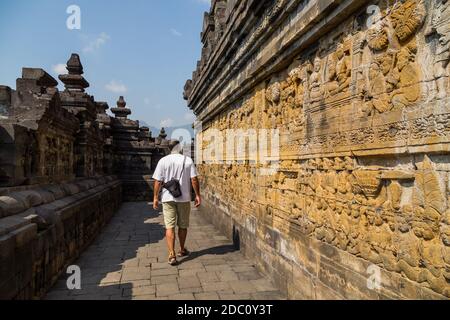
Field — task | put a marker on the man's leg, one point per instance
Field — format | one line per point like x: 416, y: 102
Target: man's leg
x: 170, y: 237
x: 182, y: 235
x: 170, y: 220
x: 184, y: 211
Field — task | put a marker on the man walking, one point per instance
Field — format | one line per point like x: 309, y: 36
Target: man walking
x: 176, y: 208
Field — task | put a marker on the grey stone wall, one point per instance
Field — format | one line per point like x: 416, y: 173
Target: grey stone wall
x: 44, y: 229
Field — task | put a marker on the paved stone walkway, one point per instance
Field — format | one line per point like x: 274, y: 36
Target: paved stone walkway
x: 129, y: 261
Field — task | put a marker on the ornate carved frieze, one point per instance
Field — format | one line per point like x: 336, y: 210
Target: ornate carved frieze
x: 361, y: 102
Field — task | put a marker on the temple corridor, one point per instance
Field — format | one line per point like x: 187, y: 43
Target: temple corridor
x: 128, y: 261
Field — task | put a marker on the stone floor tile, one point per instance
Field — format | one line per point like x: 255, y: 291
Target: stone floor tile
x: 164, y: 272
x: 182, y: 296
x: 218, y: 267
x: 262, y: 285
x: 240, y: 286
x: 192, y: 290
x: 249, y: 275
x: 136, y: 284
x: 232, y: 296
x: 227, y: 275
x: 129, y: 261
x: 275, y: 295
x: 191, y: 272
x: 207, y: 277
x: 207, y: 296
x: 215, y: 286
x: 164, y: 290
x: 164, y: 279
x: 147, y: 262
x: 189, y: 282
x: 139, y: 291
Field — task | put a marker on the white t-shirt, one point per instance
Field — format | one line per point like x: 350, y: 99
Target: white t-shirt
x: 170, y: 167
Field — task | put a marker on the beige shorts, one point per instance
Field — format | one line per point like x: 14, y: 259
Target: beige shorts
x: 176, y: 214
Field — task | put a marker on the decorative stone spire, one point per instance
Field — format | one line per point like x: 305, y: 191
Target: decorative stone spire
x: 102, y: 107
x: 121, y: 111
x: 74, y: 65
x: 74, y: 81
x: 145, y: 134
x: 163, y: 134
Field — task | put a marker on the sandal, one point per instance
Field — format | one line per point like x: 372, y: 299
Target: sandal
x: 183, y: 253
x: 172, y: 259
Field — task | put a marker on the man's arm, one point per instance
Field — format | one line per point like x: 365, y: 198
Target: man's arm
x: 156, y: 190
x: 196, y: 186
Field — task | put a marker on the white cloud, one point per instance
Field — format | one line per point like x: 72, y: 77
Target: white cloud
x: 59, y: 68
x: 97, y: 43
x: 147, y: 101
x: 167, y: 123
x: 116, y: 87
x: 208, y: 2
x: 176, y: 33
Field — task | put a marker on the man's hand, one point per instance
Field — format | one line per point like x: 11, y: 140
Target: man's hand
x: 156, y: 204
x: 196, y: 186
x: 156, y: 190
x: 198, y: 201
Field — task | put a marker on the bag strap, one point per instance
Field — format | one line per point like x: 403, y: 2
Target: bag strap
x: 182, y: 171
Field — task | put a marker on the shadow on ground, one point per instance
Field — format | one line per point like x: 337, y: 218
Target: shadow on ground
x: 217, y: 251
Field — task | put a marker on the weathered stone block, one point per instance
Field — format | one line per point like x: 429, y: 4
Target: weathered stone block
x: 25, y: 234
x: 12, y: 206
x: 35, y: 260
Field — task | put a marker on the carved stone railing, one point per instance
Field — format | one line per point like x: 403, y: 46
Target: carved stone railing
x: 44, y: 229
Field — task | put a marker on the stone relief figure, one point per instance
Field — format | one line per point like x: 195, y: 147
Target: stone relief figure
x: 407, y: 77
x: 407, y: 17
x: 273, y: 93
x: 294, y: 97
x: 339, y: 71
x: 343, y: 69
x: 381, y: 82
x: 51, y: 156
x: 299, y: 80
x: 440, y: 25
x: 394, y: 75
x: 331, y: 86
x: 377, y: 36
x: 288, y: 108
x: 315, y: 81
x: 273, y: 96
x: 302, y: 82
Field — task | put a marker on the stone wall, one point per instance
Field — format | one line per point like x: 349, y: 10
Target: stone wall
x: 63, y: 162
x: 359, y: 189
x: 44, y: 229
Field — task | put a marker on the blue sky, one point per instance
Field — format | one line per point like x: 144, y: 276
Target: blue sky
x: 142, y: 49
